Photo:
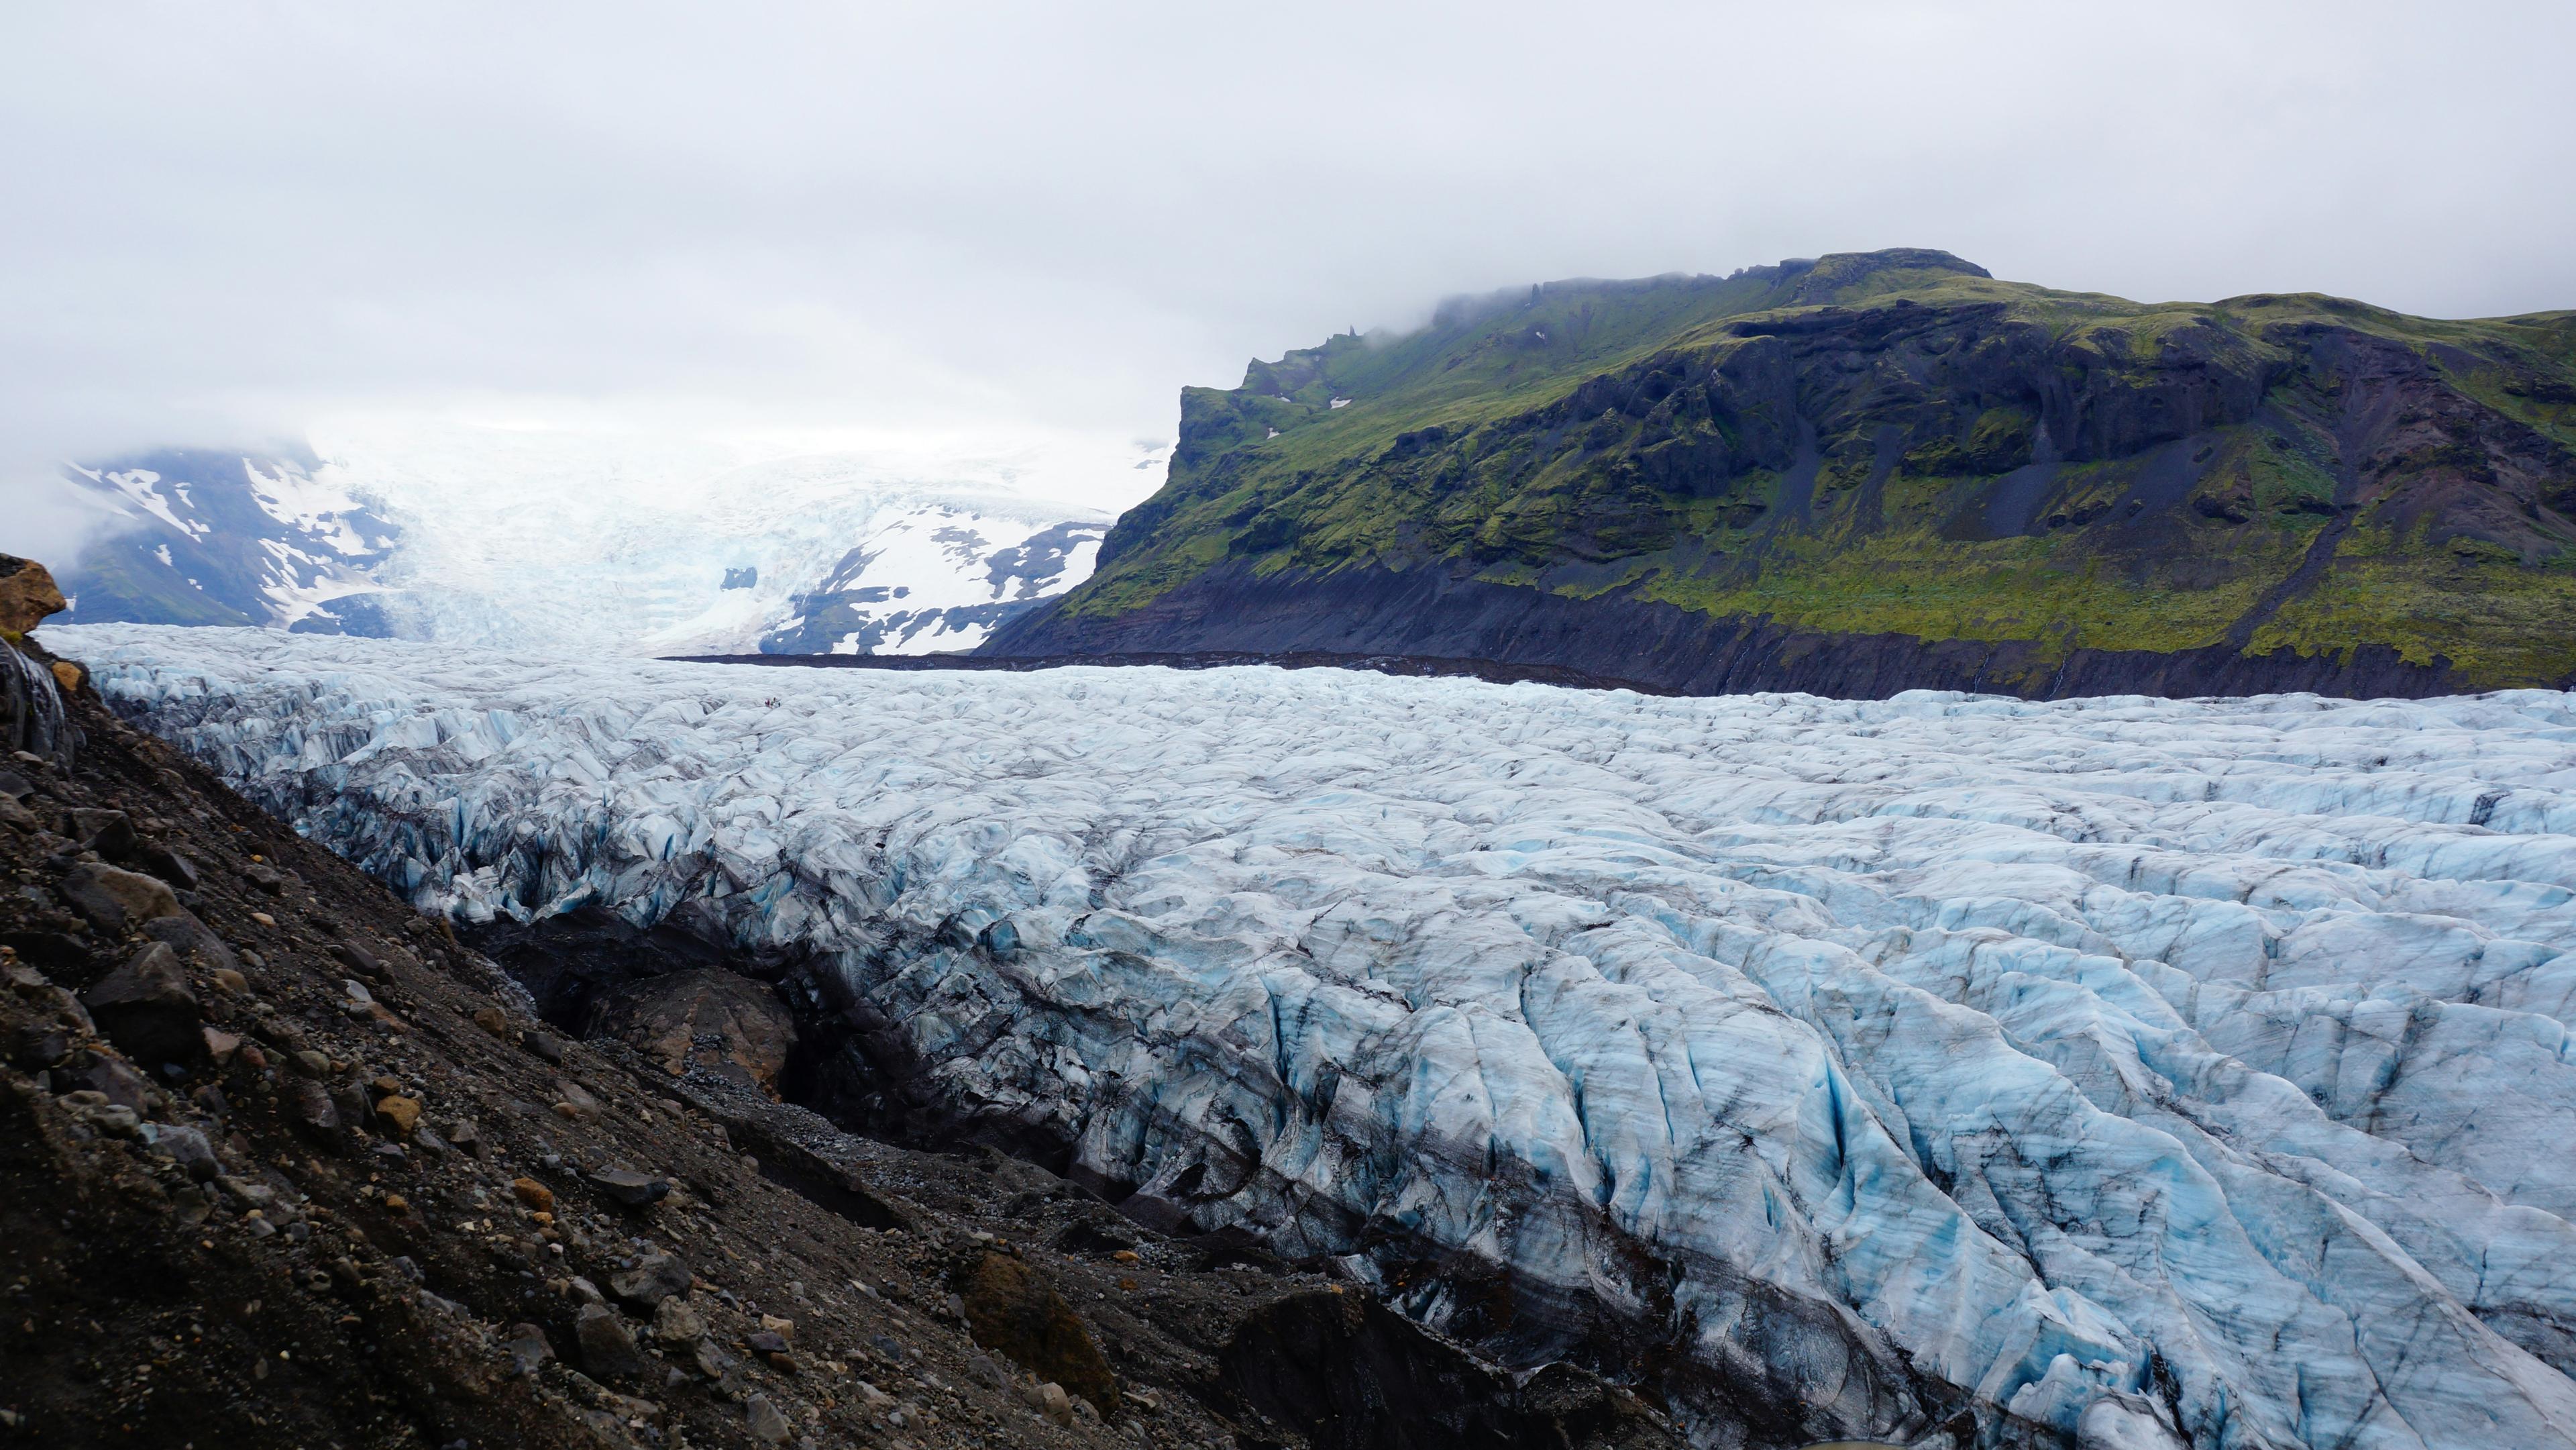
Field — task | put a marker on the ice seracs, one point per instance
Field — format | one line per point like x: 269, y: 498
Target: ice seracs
x: 2134, y: 1071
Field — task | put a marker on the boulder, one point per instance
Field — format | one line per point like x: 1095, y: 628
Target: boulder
x: 111, y: 898
x: 146, y: 1008
x: 703, y: 1019
x: 27, y: 594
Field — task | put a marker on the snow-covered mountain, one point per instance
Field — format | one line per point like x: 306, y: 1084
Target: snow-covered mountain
x: 607, y: 544
x: 2113, y: 1072
x: 230, y: 538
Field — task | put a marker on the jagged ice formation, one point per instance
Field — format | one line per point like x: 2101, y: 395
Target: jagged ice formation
x: 2140, y: 1070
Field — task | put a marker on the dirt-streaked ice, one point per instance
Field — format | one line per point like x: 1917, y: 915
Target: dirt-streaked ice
x: 2147, y: 1069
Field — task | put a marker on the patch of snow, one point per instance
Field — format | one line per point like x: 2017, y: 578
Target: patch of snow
x: 1340, y: 403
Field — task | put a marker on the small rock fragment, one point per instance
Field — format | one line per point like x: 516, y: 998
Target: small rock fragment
x: 401, y: 1114
x: 530, y: 1192
x: 492, y: 1020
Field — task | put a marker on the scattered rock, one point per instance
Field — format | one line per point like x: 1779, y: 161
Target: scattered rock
x: 467, y: 1138
x: 93, y: 1108
x: 35, y: 1046
x: 493, y: 1020
x: 314, y: 1112
x: 676, y: 1321
x: 766, y: 1341
x: 146, y: 1009
x: 632, y: 1189
x: 99, y: 1073
x: 110, y: 898
x: 542, y: 1046
x: 529, y: 1191
x: 399, y: 1113
x: 763, y: 1420
x: 358, y: 959
x: 109, y: 833
x: 607, y: 1349
x: 528, y: 1349
x: 654, y: 1278
x: 189, y: 1149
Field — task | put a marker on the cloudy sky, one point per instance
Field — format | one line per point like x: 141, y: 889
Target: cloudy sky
x: 834, y: 221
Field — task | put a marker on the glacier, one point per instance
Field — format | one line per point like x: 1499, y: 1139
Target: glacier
x: 2115, y: 1072
x: 563, y: 541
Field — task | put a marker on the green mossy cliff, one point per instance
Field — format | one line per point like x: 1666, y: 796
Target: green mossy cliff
x: 1891, y: 448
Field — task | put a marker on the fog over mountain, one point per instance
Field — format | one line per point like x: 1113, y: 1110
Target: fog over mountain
x: 810, y: 219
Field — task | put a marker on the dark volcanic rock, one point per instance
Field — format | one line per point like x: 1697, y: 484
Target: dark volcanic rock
x: 146, y: 1008
x: 1430, y: 614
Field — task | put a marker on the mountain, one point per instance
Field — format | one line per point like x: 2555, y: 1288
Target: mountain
x: 1878, y: 471
x: 231, y: 538
x: 604, y: 545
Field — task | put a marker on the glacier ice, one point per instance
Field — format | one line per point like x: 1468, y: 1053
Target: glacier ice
x: 2149, y: 1070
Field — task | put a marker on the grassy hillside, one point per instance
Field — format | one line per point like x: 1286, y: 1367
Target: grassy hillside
x: 1897, y: 442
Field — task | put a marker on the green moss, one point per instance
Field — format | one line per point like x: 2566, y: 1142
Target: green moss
x: 1594, y: 437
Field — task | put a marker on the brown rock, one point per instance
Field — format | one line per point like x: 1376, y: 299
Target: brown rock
x: 68, y: 677
x: 111, y: 898
x: 494, y: 1021
x: 27, y: 594
x: 704, y: 1019
x: 676, y: 1322
x: 146, y: 1009
x: 221, y: 1045
x: 1014, y: 1312
x: 399, y: 1113
x: 534, y: 1194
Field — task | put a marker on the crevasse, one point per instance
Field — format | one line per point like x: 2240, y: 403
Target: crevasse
x: 2147, y: 1070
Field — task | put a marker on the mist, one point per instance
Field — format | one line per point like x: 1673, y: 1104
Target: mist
x: 241, y: 223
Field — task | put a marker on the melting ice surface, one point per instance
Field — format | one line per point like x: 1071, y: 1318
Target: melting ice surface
x: 2148, y: 1070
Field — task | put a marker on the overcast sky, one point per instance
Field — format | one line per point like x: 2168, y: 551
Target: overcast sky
x: 224, y: 222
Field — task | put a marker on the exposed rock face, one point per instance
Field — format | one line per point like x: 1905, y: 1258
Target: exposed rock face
x: 1429, y: 612
x: 703, y: 1019
x: 1876, y: 472
x: 27, y: 595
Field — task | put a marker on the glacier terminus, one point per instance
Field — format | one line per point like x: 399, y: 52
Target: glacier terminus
x: 1944, y: 1069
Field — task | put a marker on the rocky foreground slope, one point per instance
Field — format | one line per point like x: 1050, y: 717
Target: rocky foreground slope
x: 2123, y: 1072
x: 282, y: 1163
x: 1876, y: 472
